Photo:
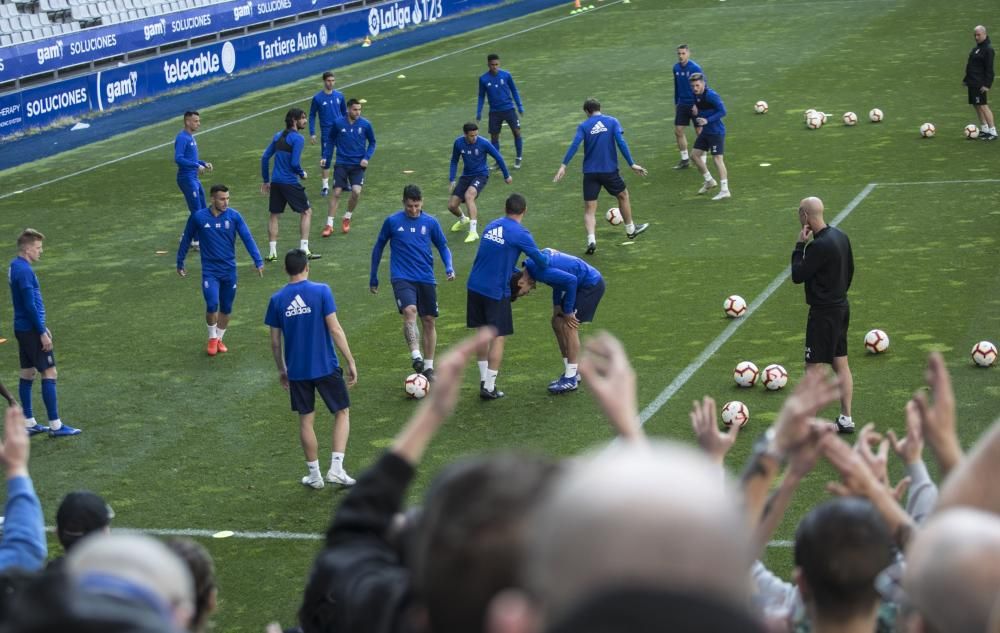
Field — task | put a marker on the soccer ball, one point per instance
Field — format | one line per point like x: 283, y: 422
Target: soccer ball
x: 875, y: 115
x: 809, y: 113
x: 971, y: 131
x: 814, y: 121
x: 850, y: 118
x: 760, y: 107
x: 735, y: 412
x: 775, y: 377
x: 416, y: 386
x: 735, y: 306
x: 745, y: 374
x: 876, y: 341
x: 614, y: 216
x: 822, y: 116
x: 927, y: 130
x: 984, y: 353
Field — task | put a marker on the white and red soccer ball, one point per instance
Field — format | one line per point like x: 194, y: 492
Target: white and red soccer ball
x: 774, y: 377
x: 875, y: 115
x: 735, y: 412
x: 971, y: 131
x: 984, y: 353
x: 735, y: 306
x: 614, y: 216
x: 745, y: 374
x: 850, y: 118
x: 876, y: 341
x: 760, y: 107
x: 927, y: 130
x: 416, y: 386
x: 815, y: 120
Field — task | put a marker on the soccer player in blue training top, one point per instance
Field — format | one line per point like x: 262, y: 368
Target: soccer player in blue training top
x: 217, y: 228
x: 600, y: 134
x: 577, y: 288
x: 475, y: 174
x: 498, y: 86
x: 283, y: 186
x: 410, y: 233
x: 712, y: 137
x: 488, y: 301
x: 354, y: 139
x: 34, y: 340
x: 683, y: 100
x: 327, y: 105
x: 304, y: 314
x: 189, y: 166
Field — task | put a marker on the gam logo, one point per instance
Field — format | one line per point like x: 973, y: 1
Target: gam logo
x: 244, y: 11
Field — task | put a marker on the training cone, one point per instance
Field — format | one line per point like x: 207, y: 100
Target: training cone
x: 368, y: 41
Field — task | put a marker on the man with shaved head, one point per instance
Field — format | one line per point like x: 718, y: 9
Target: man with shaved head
x: 826, y: 268
x: 979, y: 80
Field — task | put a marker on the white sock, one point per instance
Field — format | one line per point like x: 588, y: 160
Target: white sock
x: 313, y: 469
x: 592, y: 238
x: 630, y: 227
x: 213, y: 331
x: 491, y: 379
x: 326, y: 183
x: 483, y: 368
x: 219, y: 332
x: 329, y: 220
x: 708, y: 176
x: 725, y: 184
x: 472, y: 226
x: 273, y: 248
x: 565, y: 364
x: 571, y: 370
x: 428, y: 363
x: 30, y: 422
x: 347, y: 216
x: 304, y: 245
x: 684, y: 154
x: 337, y: 462
x: 415, y: 354
x: 56, y: 424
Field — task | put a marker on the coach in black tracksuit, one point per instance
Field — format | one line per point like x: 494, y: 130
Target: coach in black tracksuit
x: 826, y: 268
x: 979, y: 79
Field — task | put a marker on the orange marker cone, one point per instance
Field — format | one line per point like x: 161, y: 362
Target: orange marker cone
x: 368, y: 40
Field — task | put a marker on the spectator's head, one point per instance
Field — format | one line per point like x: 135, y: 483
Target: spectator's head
x: 952, y: 576
x: 296, y: 262
x: 82, y: 513
x: 135, y: 570
x: 655, y: 518
x: 591, y: 105
x: 470, y: 536
x: 840, y: 547
x: 202, y: 569
x: 811, y: 213
x: 515, y: 205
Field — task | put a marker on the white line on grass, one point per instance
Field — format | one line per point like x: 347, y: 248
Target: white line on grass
x: 196, y: 533
x: 938, y: 182
x: 298, y: 101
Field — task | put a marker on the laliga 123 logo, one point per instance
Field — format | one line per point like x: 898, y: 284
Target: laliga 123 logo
x: 374, y: 24
x: 323, y: 35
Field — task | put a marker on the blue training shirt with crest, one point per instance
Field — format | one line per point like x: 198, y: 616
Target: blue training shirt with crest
x: 299, y: 310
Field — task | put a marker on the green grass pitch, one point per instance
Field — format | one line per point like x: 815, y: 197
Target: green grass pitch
x: 176, y: 440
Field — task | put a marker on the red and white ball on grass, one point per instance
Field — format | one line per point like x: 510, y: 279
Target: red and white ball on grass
x: 774, y: 377
x: 984, y: 353
x: 614, y: 216
x: 735, y: 412
x: 875, y: 115
x: 734, y: 306
x: 876, y: 341
x: 760, y: 107
x: 745, y: 374
x: 850, y: 118
x: 971, y: 131
x: 927, y: 130
x: 416, y: 386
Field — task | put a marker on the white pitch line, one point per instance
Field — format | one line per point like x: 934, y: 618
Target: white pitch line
x: 298, y: 101
x: 938, y: 182
x: 193, y: 532
x: 668, y: 392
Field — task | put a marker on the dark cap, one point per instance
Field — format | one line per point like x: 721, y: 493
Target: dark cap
x: 79, y: 514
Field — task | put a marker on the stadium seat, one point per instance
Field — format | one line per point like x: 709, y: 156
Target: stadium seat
x: 5, y: 39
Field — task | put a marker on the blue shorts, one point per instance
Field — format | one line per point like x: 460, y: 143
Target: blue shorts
x: 291, y: 194
x: 592, y: 183
x: 29, y: 347
x: 498, y: 118
x: 714, y: 144
x: 587, y: 300
x: 683, y: 115
x: 347, y: 176
x: 463, y: 184
x: 219, y: 293
x: 415, y: 293
x: 332, y: 389
x: 324, y: 142
x: 194, y: 193
x: 480, y: 310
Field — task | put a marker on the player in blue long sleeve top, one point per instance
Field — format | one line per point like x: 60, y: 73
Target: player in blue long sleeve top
x: 283, y: 185
x: 577, y: 288
x: 217, y: 228
x: 23, y: 542
x: 473, y: 151
x: 327, y: 105
x: 683, y: 100
x: 354, y: 139
x: 498, y: 86
x: 34, y: 340
x: 602, y: 138
x: 410, y: 234
x: 189, y: 166
x: 488, y: 301
x: 711, y: 138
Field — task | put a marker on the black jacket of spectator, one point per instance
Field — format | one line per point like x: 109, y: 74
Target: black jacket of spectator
x: 979, y: 68
x: 826, y: 267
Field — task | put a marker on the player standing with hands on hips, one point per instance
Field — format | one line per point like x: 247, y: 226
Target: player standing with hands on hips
x: 826, y: 267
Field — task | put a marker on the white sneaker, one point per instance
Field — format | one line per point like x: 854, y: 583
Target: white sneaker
x: 845, y: 425
x: 341, y: 478
x: 316, y: 483
x: 722, y: 195
x: 709, y: 184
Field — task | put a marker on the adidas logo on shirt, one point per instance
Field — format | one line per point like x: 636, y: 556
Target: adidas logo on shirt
x: 494, y: 235
x: 297, y: 307
x: 598, y: 128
